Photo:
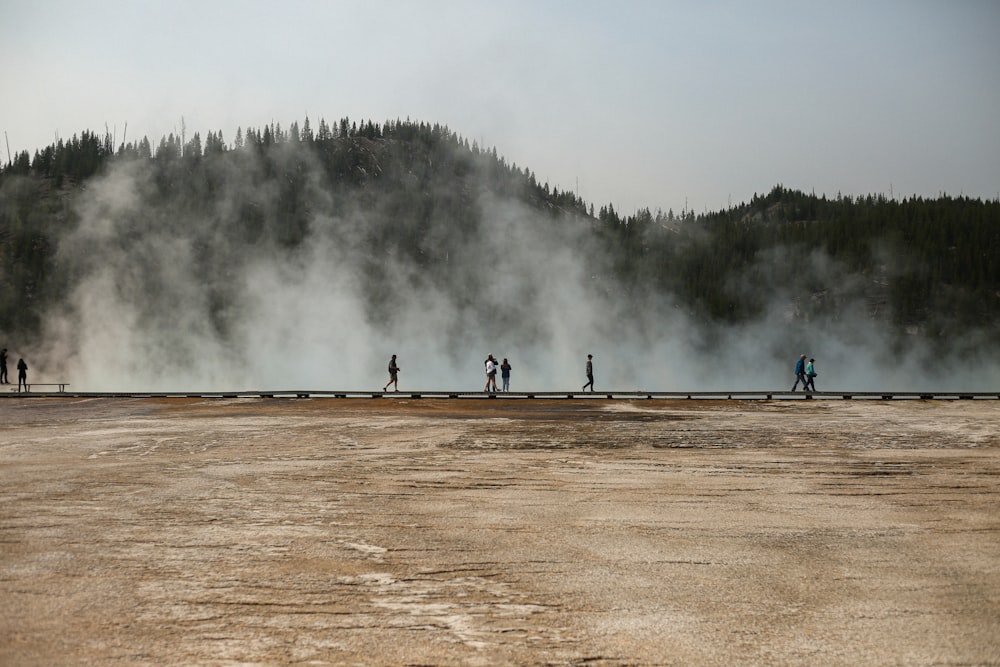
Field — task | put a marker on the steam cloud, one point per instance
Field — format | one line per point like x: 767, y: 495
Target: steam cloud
x: 162, y: 299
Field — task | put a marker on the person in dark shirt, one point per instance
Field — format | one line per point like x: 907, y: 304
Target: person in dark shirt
x: 590, y: 373
x: 3, y: 367
x: 505, y: 374
x: 22, y: 374
x: 393, y: 373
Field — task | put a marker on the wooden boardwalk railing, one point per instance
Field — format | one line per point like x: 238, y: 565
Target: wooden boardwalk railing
x: 629, y: 395
x: 28, y: 386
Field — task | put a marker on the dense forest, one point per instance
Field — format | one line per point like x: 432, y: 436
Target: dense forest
x: 411, y: 201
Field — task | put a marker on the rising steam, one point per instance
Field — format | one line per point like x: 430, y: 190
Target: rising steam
x: 165, y: 297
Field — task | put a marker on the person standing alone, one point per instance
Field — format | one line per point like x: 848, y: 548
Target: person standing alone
x: 3, y: 367
x: 393, y: 373
x: 22, y: 374
x: 590, y: 373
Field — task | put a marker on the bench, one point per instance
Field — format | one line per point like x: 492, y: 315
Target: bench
x: 27, y: 387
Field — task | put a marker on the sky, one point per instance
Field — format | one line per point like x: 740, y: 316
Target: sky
x: 665, y: 105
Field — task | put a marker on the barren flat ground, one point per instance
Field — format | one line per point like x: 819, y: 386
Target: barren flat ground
x: 483, y: 532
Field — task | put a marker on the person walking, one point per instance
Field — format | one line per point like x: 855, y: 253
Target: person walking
x: 590, y: 373
x: 505, y: 374
x: 811, y: 375
x: 22, y: 374
x: 3, y: 367
x: 491, y: 373
x: 800, y: 373
x: 393, y: 375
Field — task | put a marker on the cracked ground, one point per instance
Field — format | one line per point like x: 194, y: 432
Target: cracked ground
x: 483, y: 532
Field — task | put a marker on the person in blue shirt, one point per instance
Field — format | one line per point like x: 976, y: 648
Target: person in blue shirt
x: 505, y: 374
x: 800, y: 373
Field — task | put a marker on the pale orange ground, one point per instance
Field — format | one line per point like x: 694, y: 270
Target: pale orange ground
x: 506, y: 531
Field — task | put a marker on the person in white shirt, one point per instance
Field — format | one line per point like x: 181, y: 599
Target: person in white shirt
x: 491, y: 373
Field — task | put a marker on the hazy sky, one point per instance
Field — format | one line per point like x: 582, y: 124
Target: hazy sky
x: 635, y: 104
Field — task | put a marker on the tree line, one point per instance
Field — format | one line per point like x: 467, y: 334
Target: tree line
x: 924, y: 268
x: 920, y: 265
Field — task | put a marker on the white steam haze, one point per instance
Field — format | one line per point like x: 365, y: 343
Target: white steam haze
x: 143, y: 313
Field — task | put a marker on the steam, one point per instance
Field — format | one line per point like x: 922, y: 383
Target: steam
x: 168, y: 298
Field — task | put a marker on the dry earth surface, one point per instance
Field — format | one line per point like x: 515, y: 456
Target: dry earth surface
x: 513, y: 531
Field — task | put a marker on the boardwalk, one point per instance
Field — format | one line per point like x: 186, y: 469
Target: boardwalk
x: 731, y: 394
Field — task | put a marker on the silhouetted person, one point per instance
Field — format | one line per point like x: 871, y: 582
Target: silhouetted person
x: 22, y: 374
x: 590, y: 373
x: 393, y: 372
x: 3, y: 366
x: 800, y: 373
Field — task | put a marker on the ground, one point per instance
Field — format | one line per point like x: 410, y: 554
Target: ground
x: 402, y: 531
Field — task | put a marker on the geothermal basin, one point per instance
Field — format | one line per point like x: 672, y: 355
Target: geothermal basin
x: 257, y: 531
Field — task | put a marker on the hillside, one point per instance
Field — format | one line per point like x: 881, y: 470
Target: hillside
x: 406, y: 224
x: 418, y: 188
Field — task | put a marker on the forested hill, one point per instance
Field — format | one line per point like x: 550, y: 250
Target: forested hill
x: 417, y: 188
x: 417, y: 203
x: 921, y: 266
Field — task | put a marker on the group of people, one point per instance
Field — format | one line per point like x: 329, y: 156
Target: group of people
x: 491, y: 373
x: 492, y: 367
x: 805, y: 372
x: 22, y: 371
